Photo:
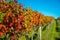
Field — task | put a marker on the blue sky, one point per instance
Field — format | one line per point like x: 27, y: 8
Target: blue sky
x: 46, y: 7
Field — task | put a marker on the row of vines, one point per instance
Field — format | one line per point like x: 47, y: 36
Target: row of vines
x: 17, y: 23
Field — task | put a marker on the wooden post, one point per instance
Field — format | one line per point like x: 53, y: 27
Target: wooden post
x: 32, y: 36
x: 40, y: 32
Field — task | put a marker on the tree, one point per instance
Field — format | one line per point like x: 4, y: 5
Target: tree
x: 58, y: 18
x: 15, y: 1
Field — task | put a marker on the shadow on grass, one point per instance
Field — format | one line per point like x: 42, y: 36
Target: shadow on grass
x: 57, y: 38
x: 57, y: 29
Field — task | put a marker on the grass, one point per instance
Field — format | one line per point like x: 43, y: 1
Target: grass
x: 49, y: 33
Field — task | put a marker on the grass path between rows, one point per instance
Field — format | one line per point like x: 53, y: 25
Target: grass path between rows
x: 49, y: 33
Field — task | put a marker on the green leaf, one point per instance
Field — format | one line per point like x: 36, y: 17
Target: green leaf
x: 2, y: 36
x: 1, y: 16
x: 31, y: 34
x: 22, y: 38
x: 0, y: 20
x: 7, y: 35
